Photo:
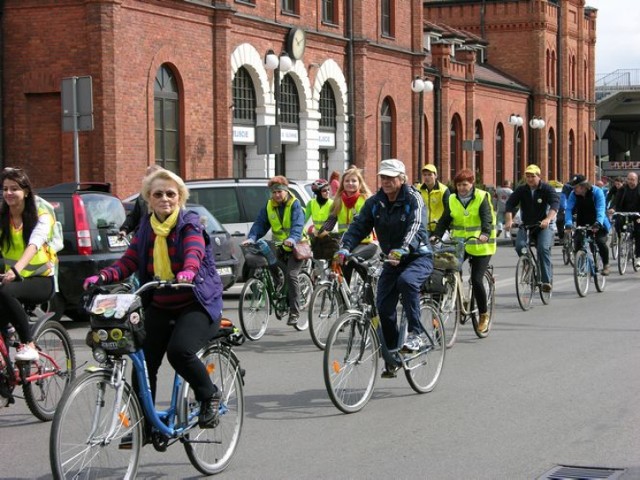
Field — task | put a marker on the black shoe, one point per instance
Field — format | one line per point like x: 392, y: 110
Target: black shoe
x: 209, y: 410
x: 293, y: 319
x: 390, y: 371
x: 126, y: 442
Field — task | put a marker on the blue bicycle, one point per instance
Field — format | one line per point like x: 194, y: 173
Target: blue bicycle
x: 587, y: 262
x: 99, y: 426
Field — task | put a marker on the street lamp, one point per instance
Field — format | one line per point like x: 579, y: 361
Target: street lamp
x: 517, y: 122
x: 420, y: 86
x: 536, y: 123
x: 283, y: 64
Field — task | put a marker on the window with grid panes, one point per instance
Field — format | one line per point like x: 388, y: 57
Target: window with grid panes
x: 166, y: 120
x: 289, y: 103
x: 244, y: 98
x: 290, y: 6
x: 327, y: 108
x: 386, y: 17
x: 329, y: 14
x: 386, y: 130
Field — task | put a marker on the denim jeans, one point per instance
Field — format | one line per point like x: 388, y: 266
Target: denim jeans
x: 544, y: 242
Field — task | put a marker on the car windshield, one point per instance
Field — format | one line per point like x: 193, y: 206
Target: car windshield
x: 210, y: 222
x: 103, y: 211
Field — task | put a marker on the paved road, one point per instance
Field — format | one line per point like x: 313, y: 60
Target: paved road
x: 558, y: 385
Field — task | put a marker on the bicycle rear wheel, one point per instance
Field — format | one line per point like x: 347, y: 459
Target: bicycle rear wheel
x: 450, y: 309
x: 613, y: 245
x: 525, y: 281
x: 306, y: 291
x: 351, y: 363
x: 56, y: 358
x: 623, y: 253
x: 87, y: 430
x: 254, y: 309
x: 490, y: 289
x: 581, y: 273
x: 325, y: 308
x: 567, y: 250
x: 423, y: 368
x: 210, y: 450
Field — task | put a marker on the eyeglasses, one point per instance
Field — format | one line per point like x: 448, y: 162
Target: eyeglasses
x: 169, y: 194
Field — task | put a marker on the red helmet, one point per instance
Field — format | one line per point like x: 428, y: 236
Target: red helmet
x: 319, y: 185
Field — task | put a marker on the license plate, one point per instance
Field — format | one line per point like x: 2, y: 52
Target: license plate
x: 116, y: 241
x: 224, y: 271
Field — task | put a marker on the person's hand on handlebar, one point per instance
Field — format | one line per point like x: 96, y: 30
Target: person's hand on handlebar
x: 185, y: 276
x: 483, y: 238
x: 340, y: 256
x: 395, y: 256
x: 92, y: 280
x: 246, y: 242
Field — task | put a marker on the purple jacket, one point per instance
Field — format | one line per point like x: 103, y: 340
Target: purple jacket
x: 208, y: 286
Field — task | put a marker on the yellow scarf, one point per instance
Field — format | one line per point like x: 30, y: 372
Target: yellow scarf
x: 161, y: 260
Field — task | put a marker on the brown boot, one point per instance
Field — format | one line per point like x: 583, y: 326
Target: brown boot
x: 483, y: 324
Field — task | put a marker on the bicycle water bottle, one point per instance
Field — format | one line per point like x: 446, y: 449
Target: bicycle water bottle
x: 265, y: 250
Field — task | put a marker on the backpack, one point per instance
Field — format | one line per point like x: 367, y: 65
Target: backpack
x: 56, y: 239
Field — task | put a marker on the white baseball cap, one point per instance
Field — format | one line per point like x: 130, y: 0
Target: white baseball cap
x: 391, y: 168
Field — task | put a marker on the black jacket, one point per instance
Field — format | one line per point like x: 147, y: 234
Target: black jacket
x: 533, y: 208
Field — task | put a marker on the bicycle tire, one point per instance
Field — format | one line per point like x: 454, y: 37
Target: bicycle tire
x: 613, y: 246
x: 327, y: 305
x: 525, y: 281
x: 623, y: 253
x: 450, y: 309
x: 254, y: 309
x: 42, y: 396
x: 350, y: 363
x: 599, y: 279
x: 567, y: 252
x: 306, y: 291
x: 210, y: 450
x: 423, y: 369
x: 489, y: 287
x: 581, y: 273
x: 632, y: 258
x: 88, y: 406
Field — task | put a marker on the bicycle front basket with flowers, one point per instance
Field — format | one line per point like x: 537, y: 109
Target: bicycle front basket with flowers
x: 449, y: 256
x: 117, y: 323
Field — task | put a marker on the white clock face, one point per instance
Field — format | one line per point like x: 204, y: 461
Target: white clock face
x: 298, y: 44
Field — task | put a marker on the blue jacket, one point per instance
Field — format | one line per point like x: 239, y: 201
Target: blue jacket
x: 262, y: 225
x: 589, y: 208
x: 208, y: 286
x: 400, y: 224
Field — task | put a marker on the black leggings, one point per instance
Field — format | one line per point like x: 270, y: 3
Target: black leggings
x: 13, y: 294
x: 478, y: 268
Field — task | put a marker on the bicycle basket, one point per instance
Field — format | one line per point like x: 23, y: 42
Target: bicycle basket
x: 435, y: 283
x: 259, y: 255
x: 117, y: 323
x: 449, y: 257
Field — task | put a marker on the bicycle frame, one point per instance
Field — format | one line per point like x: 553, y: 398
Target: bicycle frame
x: 588, y: 246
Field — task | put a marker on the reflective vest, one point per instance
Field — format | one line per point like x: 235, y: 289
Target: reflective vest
x: 467, y: 223
x: 280, y: 227
x: 345, y: 217
x: 43, y: 262
x: 433, y: 201
x: 320, y: 214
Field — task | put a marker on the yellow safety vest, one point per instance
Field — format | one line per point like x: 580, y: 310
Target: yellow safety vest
x: 320, y: 214
x: 280, y: 227
x: 43, y: 262
x: 433, y: 201
x: 345, y: 217
x: 467, y: 223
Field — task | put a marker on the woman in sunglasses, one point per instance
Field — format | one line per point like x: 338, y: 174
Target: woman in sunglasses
x: 170, y: 244
x: 25, y: 227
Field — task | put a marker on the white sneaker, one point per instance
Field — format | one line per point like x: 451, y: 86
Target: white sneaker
x: 25, y: 353
x: 637, y: 263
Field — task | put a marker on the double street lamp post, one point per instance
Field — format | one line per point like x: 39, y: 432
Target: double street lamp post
x: 281, y: 64
x: 536, y: 123
x: 516, y: 121
x: 420, y: 86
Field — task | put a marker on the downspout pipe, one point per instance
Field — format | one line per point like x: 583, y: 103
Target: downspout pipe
x: 560, y: 90
x: 351, y: 85
x: 437, y: 114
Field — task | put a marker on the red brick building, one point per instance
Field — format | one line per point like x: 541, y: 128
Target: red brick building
x: 184, y: 83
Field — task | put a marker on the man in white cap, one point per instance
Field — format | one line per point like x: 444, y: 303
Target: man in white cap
x: 397, y: 213
x: 538, y: 202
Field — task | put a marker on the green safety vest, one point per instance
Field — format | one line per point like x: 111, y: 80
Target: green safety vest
x: 43, y: 262
x: 280, y: 227
x: 433, y: 201
x: 345, y: 217
x: 320, y: 214
x: 467, y: 223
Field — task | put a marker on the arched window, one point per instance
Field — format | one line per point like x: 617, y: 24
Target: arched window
x: 551, y: 155
x: 478, y: 156
x: 455, y: 145
x: 572, y: 152
x: 244, y: 99
x: 500, y: 164
x: 519, y: 154
x: 386, y: 130
x: 548, y: 70
x: 166, y: 104
x: 328, y: 123
x: 289, y: 103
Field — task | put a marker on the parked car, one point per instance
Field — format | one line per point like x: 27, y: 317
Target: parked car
x: 235, y: 202
x: 226, y: 262
x: 90, y: 216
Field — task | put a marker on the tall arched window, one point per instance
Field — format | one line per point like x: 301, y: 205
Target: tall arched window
x: 166, y: 104
x: 500, y: 165
x: 548, y: 70
x: 386, y: 130
x: 289, y: 116
x: 478, y: 156
x: 551, y: 155
x: 244, y: 98
x: 519, y: 154
x: 572, y: 153
x: 455, y: 145
x: 328, y: 123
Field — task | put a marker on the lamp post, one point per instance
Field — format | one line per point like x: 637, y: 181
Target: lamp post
x: 283, y: 64
x: 420, y: 86
x: 517, y: 122
x: 536, y: 123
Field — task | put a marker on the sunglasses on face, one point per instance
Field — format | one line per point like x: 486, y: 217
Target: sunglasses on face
x: 169, y: 194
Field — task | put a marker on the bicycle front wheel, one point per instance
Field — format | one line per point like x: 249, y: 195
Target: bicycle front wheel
x: 306, y: 291
x: 88, y: 427
x: 210, y: 450
x: 351, y: 363
x: 525, y: 281
x: 599, y: 279
x: 613, y: 246
x: 423, y: 368
x: 623, y: 253
x: 450, y: 309
x: 254, y: 309
x: 325, y: 308
x: 581, y: 273
x: 56, y: 365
